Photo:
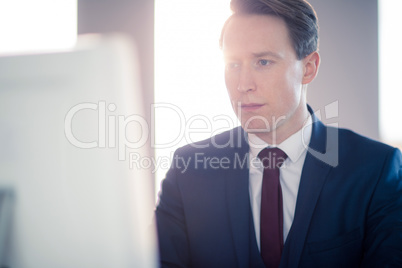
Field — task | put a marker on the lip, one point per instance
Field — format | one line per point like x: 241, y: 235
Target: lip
x: 251, y: 106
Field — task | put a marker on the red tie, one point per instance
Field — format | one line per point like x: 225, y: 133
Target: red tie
x: 271, y: 225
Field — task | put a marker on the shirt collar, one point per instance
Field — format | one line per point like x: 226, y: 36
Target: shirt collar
x: 294, y: 146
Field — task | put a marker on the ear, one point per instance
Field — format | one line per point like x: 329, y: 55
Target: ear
x: 310, y: 67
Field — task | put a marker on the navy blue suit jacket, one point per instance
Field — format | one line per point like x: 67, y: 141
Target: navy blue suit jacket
x: 348, y: 210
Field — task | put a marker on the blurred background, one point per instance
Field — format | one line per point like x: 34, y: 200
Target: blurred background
x: 358, y: 85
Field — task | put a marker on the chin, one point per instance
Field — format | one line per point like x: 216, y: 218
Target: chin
x: 256, y: 128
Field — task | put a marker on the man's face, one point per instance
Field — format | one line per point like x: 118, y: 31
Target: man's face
x: 263, y: 75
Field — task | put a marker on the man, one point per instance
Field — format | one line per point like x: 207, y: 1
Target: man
x: 317, y: 197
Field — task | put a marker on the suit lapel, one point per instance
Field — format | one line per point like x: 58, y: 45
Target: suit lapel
x: 320, y: 158
x: 238, y: 200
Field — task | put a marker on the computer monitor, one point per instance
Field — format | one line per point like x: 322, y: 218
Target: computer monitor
x: 68, y: 124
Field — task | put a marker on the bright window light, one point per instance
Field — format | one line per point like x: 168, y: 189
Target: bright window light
x: 190, y: 94
x: 390, y: 44
x: 37, y: 26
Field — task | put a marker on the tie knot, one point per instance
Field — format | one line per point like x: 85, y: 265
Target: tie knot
x: 272, y: 158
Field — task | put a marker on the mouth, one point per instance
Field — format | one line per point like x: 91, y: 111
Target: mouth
x: 251, y: 106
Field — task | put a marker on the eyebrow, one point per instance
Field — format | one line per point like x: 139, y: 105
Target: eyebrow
x: 256, y: 55
x: 266, y: 53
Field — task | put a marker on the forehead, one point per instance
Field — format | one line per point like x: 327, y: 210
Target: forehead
x: 255, y: 34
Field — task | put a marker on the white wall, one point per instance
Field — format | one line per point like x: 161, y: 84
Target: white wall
x: 349, y: 67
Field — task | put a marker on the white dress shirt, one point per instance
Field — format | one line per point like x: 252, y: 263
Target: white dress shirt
x: 290, y: 172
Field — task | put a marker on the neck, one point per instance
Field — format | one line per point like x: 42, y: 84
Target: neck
x: 290, y: 127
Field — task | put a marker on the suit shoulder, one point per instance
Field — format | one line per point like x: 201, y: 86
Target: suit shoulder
x: 227, y: 140
x: 354, y: 144
x: 349, y: 137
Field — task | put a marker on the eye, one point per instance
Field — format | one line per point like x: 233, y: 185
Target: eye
x: 264, y: 62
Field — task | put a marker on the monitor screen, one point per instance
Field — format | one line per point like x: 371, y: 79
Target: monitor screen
x: 69, y: 122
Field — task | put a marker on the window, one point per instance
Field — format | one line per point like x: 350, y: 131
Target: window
x: 36, y: 26
x: 191, y: 101
x: 390, y: 58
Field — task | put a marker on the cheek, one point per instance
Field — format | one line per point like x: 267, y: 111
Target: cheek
x: 290, y: 97
x: 231, y: 85
x: 293, y: 85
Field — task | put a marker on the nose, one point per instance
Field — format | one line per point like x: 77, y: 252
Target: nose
x: 246, y: 81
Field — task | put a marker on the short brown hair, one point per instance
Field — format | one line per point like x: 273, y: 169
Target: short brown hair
x: 299, y: 16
